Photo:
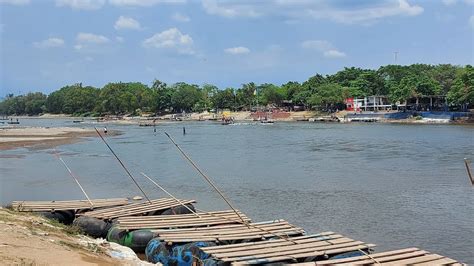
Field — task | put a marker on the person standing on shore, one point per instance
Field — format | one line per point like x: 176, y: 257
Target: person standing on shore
x: 105, y: 130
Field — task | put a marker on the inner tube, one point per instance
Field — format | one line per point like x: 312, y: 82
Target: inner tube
x: 179, y: 210
x: 158, y: 252
x: 137, y: 240
x: 92, y: 226
x: 64, y: 217
x: 190, y: 253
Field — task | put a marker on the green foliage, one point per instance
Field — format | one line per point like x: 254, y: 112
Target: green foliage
x: 325, y: 92
x: 462, y: 91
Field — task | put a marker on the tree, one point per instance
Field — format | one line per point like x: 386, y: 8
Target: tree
x: 462, y: 91
x: 163, y: 95
x: 185, y: 96
x: 224, y: 99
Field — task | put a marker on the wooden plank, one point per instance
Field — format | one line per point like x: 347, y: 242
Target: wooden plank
x: 285, y: 257
x: 299, y: 247
x: 294, y: 250
x: 443, y: 261
x: 274, y: 244
x: 427, y: 258
x: 67, y: 205
x: 184, y: 220
x: 406, y: 252
x: 245, y: 246
x: 136, y: 208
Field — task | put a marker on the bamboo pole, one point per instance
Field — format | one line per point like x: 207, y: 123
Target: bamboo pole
x: 468, y: 169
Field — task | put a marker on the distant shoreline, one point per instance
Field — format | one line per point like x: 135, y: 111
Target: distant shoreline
x: 245, y: 116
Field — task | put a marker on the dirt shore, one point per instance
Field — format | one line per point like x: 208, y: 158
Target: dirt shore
x: 28, y: 239
x: 42, y: 137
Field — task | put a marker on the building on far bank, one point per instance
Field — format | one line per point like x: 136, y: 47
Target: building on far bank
x: 370, y: 103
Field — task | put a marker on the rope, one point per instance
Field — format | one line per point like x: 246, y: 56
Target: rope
x: 169, y: 194
x: 123, y: 166
x: 73, y: 176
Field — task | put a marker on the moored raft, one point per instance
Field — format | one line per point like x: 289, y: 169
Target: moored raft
x: 62, y: 205
x: 230, y: 233
x: 139, y: 208
x: 292, y: 249
x: 181, y: 220
x: 408, y: 256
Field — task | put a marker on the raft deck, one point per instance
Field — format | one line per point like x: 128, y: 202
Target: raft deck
x: 237, y: 232
x: 283, y: 250
x: 181, y: 220
x: 62, y: 205
x: 139, y: 208
x: 408, y: 256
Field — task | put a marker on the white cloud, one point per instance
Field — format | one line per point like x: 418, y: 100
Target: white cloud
x: 49, y: 43
x: 127, y: 23
x: 325, y: 47
x: 237, y: 50
x: 143, y: 2
x: 368, y: 14
x: 171, y: 38
x: 471, y: 21
x: 449, y: 2
x: 90, y: 38
x: 81, y: 4
x: 180, y: 17
x: 119, y: 39
x: 229, y: 10
x: 334, y: 54
x: 15, y: 2
x: 338, y: 11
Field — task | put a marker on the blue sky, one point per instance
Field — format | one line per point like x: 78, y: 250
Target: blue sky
x: 46, y: 44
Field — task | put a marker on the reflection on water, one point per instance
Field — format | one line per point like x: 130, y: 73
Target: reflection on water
x: 393, y: 185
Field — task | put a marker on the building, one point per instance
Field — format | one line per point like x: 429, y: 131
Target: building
x: 370, y: 103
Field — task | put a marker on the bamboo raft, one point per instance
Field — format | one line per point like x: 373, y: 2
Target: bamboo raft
x: 408, y: 256
x: 40, y: 206
x: 221, y: 233
x: 283, y: 250
x: 139, y: 208
x: 181, y: 220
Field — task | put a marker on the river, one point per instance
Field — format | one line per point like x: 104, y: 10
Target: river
x: 392, y: 185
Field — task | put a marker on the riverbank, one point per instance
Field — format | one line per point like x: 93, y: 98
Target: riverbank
x: 281, y: 116
x: 28, y: 239
x: 43, y: 137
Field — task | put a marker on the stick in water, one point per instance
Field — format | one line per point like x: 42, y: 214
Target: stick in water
x: 123, y: 166
x: 73, y: 176
x: 468, y: 169
x: 169, y: 194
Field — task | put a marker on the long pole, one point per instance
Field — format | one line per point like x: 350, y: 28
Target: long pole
x: 73, y: 176
x: 169, y: 194
x: 205, y: 177
x: 123, y: 166
x: 211, y: 183
x: 468, y: 169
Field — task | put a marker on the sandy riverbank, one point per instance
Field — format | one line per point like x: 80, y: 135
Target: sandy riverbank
x: 28, y: 239
x: 42, y: 137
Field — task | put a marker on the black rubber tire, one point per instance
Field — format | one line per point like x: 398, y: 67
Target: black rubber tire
x: 92, y: 226
x: 65, y: 217
x: 138, y: 240
x: 179, y: 210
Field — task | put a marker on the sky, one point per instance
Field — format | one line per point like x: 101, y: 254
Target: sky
x: 47, y: 44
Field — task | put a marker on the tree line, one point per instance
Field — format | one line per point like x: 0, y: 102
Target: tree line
x: 322, y: 92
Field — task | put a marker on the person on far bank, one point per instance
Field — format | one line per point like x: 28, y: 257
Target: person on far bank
x: 105, y: 130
